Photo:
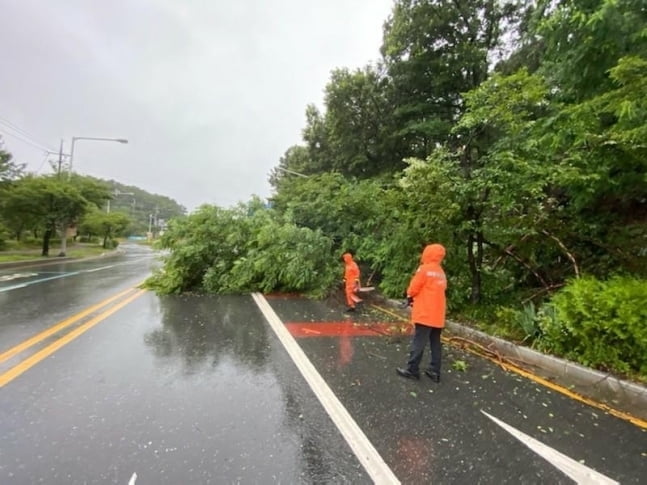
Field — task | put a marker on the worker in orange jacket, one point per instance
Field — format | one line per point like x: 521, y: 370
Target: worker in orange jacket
x: 426, y: 292
x: 351, y: 281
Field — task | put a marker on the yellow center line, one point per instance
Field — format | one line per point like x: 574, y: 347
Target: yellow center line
x: 59, y: 326
x: 31, y: 361
x: 641, y: 423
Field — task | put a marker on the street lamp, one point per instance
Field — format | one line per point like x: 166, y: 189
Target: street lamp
x: 117, y: 193
x: 94, y: 138
x: 69, y: 175
x: 293, y: 172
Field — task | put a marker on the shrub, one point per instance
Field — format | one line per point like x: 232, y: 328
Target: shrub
x: 599, y: 324
x: 4, y: 235
x: 245, y: 249
x: 280, y: 257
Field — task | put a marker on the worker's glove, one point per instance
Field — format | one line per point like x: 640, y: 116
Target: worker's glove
x: 409, y: 301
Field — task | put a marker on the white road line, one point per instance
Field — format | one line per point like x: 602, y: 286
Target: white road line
x: 366, y: 453
x: 62, y: 275
x: 133, y: 479
x: 98, y: 269
x: 581, y: 474
x: 15, y: 276
x: 33, y: 282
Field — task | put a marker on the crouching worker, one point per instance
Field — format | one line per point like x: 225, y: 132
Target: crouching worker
x: 351, y: 281
x: 426, y: 292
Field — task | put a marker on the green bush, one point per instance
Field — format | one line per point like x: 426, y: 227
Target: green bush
x: 4, y: 235
x: 112, y: 244
x: 280, y: 257
x: 86, y: 238
x: 245, y: 249
x: 599, y: 324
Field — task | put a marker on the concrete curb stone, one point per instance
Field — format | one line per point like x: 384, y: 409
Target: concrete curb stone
x: 622, y: 395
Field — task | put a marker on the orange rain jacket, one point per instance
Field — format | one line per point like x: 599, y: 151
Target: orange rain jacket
x: 351, y: 279
x: 427, y: 287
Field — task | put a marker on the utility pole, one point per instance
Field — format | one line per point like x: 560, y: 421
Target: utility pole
x: 116, y: 193
x: 60, y: 160
x: 149, y: 235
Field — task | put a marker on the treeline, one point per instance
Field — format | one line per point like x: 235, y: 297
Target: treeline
x: 47, y: 207
x: 145, y: 210
x: 512, y: 132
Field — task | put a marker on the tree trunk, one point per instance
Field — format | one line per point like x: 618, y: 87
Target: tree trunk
x: 46, y: 237
x: 63, y: 252
x: 105, y: 241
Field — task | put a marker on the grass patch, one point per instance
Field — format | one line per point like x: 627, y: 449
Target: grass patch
x: 8, y: 258
x: 76, y: 251
x: 494, y: 320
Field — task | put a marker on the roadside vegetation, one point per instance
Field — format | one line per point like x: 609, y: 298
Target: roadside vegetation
x: 37, y: 211
x: 512, y: 132
x: 29, y: 251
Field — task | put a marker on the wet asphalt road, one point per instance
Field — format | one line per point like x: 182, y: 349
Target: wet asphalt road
x: 199, y: 389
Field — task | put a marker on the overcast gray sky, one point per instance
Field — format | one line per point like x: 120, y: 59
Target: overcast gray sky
x: 209, y: 93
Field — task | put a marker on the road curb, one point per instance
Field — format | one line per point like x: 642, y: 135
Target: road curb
x: 623, y: 395
x: 34, y: 262
x: 617, y: 393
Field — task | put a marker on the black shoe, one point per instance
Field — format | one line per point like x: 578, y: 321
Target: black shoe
x: 432, y: 375
x: 407, y: 373
x: 350, y: 309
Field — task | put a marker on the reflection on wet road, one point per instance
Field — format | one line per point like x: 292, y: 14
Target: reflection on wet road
x: 35, y: 298
x: 438, y: 433
x: 199, y: 389
x: 190, y: 390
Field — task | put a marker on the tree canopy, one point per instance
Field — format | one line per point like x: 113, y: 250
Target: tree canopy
x: 512, y: 132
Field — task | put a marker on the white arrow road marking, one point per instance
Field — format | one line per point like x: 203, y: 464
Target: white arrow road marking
x: 581, y: 474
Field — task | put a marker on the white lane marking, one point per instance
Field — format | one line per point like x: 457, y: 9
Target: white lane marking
x: 15, y: 276
x: 581, y: 474
x: 33, y: 282
x: 62, y: 275
x: 366, y: 453
x: 133, y: 479
x: 98, y: 269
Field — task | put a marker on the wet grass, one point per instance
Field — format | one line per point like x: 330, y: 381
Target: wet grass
x: 31, y: 253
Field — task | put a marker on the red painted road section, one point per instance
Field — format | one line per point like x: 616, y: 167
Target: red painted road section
x: 345, y: 329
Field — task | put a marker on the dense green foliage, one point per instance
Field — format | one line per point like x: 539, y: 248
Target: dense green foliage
x: 512, y: 132
x: 9, y: 169
x: 107, y: 225
x: 49, y: 204
x: 144, y: 209
x: 46, y: 206
x: 247, y: 248
x: 599, y: 324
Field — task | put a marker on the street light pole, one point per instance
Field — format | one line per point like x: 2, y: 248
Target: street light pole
x: 93, y: 138
x: 117, y: 193
x: 293, y: 172
x: 69, y: 176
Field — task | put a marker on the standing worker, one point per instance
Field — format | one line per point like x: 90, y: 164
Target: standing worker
x: 351, y: 281
x: 426, y: 292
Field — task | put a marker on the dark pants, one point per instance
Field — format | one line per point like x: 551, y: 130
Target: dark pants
x: 423, y: 335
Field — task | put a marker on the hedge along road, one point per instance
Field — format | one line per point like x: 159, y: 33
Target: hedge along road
x: 201, y: 389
